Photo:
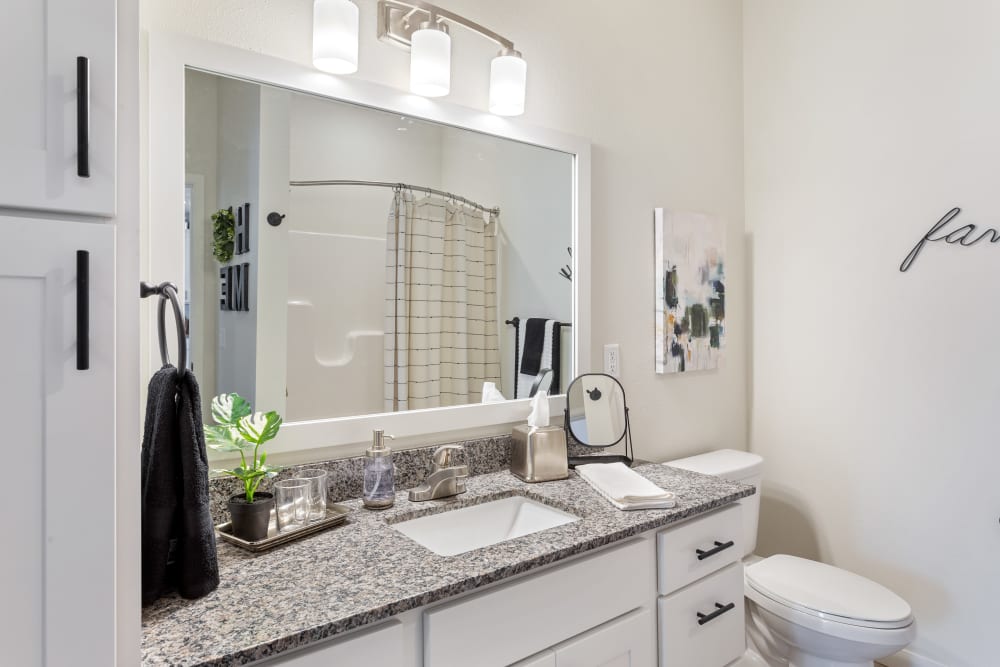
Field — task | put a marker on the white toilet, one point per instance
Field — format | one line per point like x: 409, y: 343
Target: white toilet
x: 801, y: 613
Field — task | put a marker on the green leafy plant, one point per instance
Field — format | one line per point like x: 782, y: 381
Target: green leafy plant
x: 223, y: 233
x: 238, y: 428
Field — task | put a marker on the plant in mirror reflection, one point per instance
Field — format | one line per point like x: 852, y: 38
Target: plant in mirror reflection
x: 223, y: 234
x: 238, y: 428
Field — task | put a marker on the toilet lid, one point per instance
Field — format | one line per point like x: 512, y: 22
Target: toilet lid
x: 826, y: 590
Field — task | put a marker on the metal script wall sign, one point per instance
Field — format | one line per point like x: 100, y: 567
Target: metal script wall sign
x: 965, y: 236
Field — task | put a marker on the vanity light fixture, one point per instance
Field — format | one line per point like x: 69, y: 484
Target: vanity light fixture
x: 335, y: 36
x: 422, y: 28
x: 430, y: 59
x: 508, y: 75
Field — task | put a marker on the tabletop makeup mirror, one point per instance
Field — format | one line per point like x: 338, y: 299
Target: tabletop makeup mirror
x: 597, y: 416
x: 347, y: 254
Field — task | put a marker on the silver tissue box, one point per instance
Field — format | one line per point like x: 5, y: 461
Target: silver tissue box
x: 539, y: 456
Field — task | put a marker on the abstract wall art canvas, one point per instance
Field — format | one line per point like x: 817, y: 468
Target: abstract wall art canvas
x: 690, y: 291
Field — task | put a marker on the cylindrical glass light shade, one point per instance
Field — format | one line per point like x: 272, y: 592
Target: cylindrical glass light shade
x: 335, y: 36
x: 430, y: 61
x: 508, y: 76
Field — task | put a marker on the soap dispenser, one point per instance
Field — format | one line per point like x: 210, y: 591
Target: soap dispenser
x: 379, y: 484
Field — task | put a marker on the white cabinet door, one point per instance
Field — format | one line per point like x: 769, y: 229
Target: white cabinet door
x: 58, y: 446
x: 543, y: 659
x: 540, y: 610
x: 628, y: 641
x: 49, y: 107
x: 381, y: 645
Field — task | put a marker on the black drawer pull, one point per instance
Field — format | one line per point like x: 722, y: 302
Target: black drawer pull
x: 82, y: 310
x: 82, y: 117
x: 719, y: 546
x: 720, y: 609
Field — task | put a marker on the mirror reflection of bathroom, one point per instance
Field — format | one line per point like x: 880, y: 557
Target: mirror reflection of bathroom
x: 365, y: 299
x: 596, y: 411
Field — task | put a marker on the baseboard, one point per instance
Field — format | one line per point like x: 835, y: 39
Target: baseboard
x: 907, y: 658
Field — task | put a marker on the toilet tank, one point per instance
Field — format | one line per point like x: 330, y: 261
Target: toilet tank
x: 737, y: 466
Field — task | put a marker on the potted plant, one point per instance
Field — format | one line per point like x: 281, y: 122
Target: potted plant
x: 239, y: 429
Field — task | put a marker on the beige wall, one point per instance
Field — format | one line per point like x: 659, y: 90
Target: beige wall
x: 657, y: 88
x: 875, y: 392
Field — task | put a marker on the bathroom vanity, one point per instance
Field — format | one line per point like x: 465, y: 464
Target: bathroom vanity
x: 608, y: 586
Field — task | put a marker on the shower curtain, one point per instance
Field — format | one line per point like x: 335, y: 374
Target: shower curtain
x: 441, y: 327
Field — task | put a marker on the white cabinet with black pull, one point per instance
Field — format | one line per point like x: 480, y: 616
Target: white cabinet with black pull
x: 57, y: 119
x: 700, y: 612
x: 57, y: 403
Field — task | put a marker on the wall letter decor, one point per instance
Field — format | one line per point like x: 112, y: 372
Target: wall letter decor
x: 234, y: 284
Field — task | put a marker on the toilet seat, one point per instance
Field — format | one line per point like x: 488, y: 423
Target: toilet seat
x: 824, y: 597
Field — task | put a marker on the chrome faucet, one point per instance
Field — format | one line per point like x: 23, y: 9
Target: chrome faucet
x: 445, y: 479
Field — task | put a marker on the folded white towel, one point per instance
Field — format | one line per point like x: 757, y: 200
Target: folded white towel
x: 625, y: 488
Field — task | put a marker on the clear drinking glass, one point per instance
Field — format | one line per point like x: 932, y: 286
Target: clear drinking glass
x: 291, y: 501
x: 317, y: 492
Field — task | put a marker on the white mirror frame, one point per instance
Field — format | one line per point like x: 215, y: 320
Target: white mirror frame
x: 170, y: 55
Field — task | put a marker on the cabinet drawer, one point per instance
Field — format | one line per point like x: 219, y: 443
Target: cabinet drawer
x: 718, y: 640
x: 718, y: 537
x: 519, y: 619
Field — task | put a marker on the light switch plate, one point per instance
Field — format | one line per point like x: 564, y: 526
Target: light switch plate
x: 612, y: 360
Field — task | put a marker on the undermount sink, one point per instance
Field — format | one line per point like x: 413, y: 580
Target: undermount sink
x: 457, y: 531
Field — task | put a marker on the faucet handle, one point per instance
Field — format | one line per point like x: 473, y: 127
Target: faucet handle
x: 443, y: 454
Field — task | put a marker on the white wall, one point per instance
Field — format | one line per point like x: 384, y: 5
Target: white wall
x: 875, y: 392
x: 664, y: 112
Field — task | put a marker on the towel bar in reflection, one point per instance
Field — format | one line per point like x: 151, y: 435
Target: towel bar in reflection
x: 516, y: 323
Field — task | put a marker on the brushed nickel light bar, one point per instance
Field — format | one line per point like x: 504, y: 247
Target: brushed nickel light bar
x: 399, y: 19
x: 423, y: 29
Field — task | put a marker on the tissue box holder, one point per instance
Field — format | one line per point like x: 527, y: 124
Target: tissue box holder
x: 539, y: 456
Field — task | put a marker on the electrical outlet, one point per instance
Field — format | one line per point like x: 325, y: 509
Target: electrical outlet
x: 612, y: 360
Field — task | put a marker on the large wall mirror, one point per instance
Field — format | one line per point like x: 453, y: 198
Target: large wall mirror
x: 382, y: 298
x: 356, y: 255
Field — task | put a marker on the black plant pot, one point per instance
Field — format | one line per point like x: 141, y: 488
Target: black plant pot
x: 250, y: 519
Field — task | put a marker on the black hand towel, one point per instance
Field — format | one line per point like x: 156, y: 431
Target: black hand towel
x: 534, y: 343
x: 556, y: 358
x: 159, y: 482
x: 178, y: 540
x: 197, y: 567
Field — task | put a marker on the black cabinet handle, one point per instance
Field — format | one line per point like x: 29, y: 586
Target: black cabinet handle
x: 82, y: 310
x: 720, y: 609
x: 719, y: 546
x: 83, y: 117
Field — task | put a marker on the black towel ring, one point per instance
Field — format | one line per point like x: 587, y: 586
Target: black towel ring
x: 168, y: 291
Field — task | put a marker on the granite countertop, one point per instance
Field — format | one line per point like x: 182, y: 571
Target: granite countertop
x: 364, y: 571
